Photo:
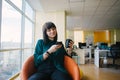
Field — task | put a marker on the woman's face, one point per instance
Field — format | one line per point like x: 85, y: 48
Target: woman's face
x: 51, y: 33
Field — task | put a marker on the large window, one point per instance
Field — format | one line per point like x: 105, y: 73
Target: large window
x: 28, y: 11
x: 11, y: 27
x: 9, y: 64
x: 18, y: 3
x: 16, y: 36
x: 28, y: 34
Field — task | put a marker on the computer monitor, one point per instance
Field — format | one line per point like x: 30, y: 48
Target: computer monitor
x: 103, y: 45
x: 81, y: 45
x: 118, y: 43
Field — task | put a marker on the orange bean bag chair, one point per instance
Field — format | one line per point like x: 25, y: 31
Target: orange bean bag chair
x: 28, y: 68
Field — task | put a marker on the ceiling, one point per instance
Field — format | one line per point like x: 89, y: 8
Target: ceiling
x: 84, y: 14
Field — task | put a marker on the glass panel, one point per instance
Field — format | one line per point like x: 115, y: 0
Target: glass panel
x: 28, y: 34
x: 11, y: 27
x: 18, y: 3
x: 9, y: 64
x: 29, y: 11
x: 26, y: 54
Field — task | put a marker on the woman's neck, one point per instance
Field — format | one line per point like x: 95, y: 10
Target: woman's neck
x: 51, y: 39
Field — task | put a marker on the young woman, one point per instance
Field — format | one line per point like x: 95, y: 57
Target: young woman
x: 49, y: 56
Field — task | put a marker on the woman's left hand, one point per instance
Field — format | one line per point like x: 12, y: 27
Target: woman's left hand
x: 69, y: 50
x: 71, y: 44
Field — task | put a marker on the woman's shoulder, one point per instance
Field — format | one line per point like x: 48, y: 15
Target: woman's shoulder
x: 40, y: 41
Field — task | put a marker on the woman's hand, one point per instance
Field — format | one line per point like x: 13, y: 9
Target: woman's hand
x: 69, y: 49
x: 71, y: 44
x: 54, y: 48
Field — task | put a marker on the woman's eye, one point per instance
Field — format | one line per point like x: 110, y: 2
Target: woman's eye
x: 53, y: 29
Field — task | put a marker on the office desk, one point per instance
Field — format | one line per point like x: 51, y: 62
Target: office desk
x: 99, y: 54
x: 81, y: 55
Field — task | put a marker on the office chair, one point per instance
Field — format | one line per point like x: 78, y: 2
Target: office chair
x: 115, y: 54
x: 28, y: 68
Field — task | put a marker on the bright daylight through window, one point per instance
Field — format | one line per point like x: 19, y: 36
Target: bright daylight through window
x: 16, y: 36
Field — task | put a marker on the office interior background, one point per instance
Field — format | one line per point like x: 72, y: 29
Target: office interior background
x: 86, y: 21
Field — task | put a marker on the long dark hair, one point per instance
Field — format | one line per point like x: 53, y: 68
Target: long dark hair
x: 46, y: 26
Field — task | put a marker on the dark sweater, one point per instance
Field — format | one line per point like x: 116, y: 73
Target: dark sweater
x: 55, y: 60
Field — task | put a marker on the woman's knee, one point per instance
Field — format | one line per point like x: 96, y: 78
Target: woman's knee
x: 59, y: 75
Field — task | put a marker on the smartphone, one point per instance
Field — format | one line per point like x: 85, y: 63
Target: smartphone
x: 59, y: 43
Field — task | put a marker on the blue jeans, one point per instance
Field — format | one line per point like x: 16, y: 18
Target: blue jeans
x: 55, y: 75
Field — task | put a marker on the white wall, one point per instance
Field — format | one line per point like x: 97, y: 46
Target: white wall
x: 57, y: 17
x: 78, y: 37
x: 70, y: 34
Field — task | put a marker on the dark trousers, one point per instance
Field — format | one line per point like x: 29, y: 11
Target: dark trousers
x: 56, y: 75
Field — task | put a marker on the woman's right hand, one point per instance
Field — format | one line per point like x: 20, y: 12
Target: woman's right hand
x: 54, y: 48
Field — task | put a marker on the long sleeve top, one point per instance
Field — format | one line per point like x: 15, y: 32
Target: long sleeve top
x: 57, y: 58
